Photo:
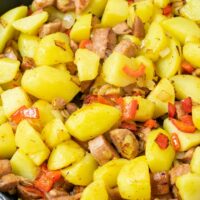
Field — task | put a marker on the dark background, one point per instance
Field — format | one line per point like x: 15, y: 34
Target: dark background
x: 8, y: 4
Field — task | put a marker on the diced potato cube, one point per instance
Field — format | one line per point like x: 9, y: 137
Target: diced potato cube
x: 30, y: 142
x: 32, y: 23
x: 154, y: 41
x: 96, y: 189
x: 53, y: 49
x: 89, y: 121
x: 109, y: 172
x: 64, y: 155
x: 81, y: 28
x: 145, y: 109
x: 169, y: 65
x: 8, y: 69
x: 28, y: 45
x: 22, y: 165
x: 3, y: 117
x: 13, y: 99
x: 113, y: 70
x: 196, y: 116
x: 81, y: 173
x: 191, y: 10
x: 181, y: 28
x: 47, y: 113
x: 161, y: 3
x: 134, y: 180
x: 186, y: 140
x: 143, y: 9
x: 188, y: 186
x: 87, y: 64
x: 191, y: 52
x: 161, y: 95
x: 37, y: 83
x: 132, y: 38
x: 7, y: 31
x: 7, y: 141
x: 96, y: 7
x: 195, y: 162
x: 155, y: 154
x: 116, y: 11
x: 55, y: 133
x: 186, y: 86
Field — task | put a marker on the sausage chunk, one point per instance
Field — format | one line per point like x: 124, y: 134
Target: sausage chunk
x: 121, y: 29
x: 81, y: 5
x: 65, y: 5
x: 138, y: 28
x: 103, y: 41
x: 177, y: 171
x: 160, y: 183
x: 127, y: 48
x: 8, y: 183
x: 39, y: 4
x: 5, y: 167
x: 49, y: 28
x: 101, y: 150
x: 125, y: 142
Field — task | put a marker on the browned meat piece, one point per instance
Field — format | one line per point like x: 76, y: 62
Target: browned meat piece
x: 179, y: 110
x: 102, y: 150
x: 81, y: 5
x: 11, y: 51
x: 138, y: 28
x: 39, y: 4
x: 177, y: 171
x: 65, y: 5
x: 85, y: 86
x: 5, y: 167
x: 103, y: 40
x: 77, y: 189
x: 95, y: 21
x: 58, y: 103
x: 121, y: 29
x: 29, y: 192
x: 114, y: 194
x: 73, y: 45
x: 127, y: 48
x: 125, y: 142
x: 67, y: 197
x: 71, y: 107
x: 8, y: 183
x: 160, y: 183
x: 71, y: 67
x: 185, y: 156
x: 27, y: 63
x: 49, y: 28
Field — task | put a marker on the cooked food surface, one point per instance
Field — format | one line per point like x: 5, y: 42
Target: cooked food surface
x: 100, y: 100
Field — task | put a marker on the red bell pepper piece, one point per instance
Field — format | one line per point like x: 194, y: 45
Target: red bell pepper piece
x: 151, y: 124
x: 183, y: 126
x: 171, y: 110
x: 24, y: 113
x: 175, y: 142
x: 187, y: 119
x: 83, y: 44
x: 162, y: 141
x: 17, y: 116
x: 135, y: 73
x: 187, y: 67
x: 129, y: 110
x: 104, y: 100
x: 128, y: 125
x: 187, y: 104
x: 167, y: 10
x: 46, y: 179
